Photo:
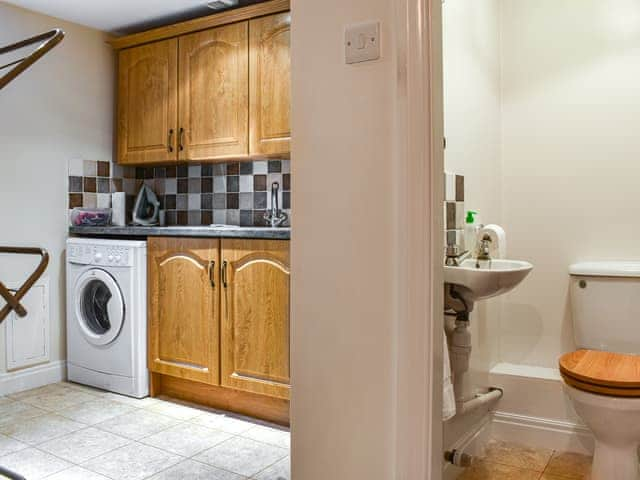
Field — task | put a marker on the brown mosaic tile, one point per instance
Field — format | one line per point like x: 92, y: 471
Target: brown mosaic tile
x: 104, y: 169
x: 183, y: 217
x: 259, y: 183
x: 233, y: 168
x: 207, y: 217
x: 172, y: 172
x: 518, y: 455
x: 572, y: 466
x: 286, y: 182
x: 117, y: 185
x: 75, y: 200
x: 103, y: 185
x: 90, y: 184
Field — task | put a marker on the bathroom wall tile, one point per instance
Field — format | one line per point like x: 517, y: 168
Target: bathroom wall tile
x: 261, y: 167
x: 89, y: 168
x: 460, y: 217
x: 183, y: 217
x: 260, y: 200
x: 182, y: 201
x: 170, y: 186
x: 194, y: 201
x: 275, y: 166
x: 286, y: 200
x: 206, y: 185
x: 219, y: 184
x: 246, y: 218
x: 258, y: 218
x: 206, y: 201
x: 170, y: 202
x: 272, y: 178
x: 207, y: 217
x: 103, y: 200
x: 183, y: 185
x: 233, y: 217
x: 75, y: 184
x: 206, y: 170
x: 233, y: 201
x: 90, y: 184
x: 172, y: 217
x: 103, y: 185
x: 219, y: 216
x: 455, y: 237
x: 182, y: 171
x: 286, y: 166
x: 89, y: 200
x: 459, y: 188
x: 129, y: 186
x: 259, y: 183
x: 160, y: 186
x: 450, y: 218
x: 286, y: 182
x: 159, y: 172
x: 219, y: 169
x: 117, y: 185
x: 219, y: 201
x: 449, y: 187
x: 246, y: 168
x: 75, y: 200
x: 233, y: 168
x: 75, y: 167
x: 195, y: 185
x: 195, y: 171
x: 171, y: 172
x: 195, y: 217
x: 246, y: 201
x: 104, y: 169
x: 233, y: 183
x: 246, y: 183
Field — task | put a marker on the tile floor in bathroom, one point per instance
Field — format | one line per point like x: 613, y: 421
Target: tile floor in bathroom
x: 71, y: 432
x: 508, y: 461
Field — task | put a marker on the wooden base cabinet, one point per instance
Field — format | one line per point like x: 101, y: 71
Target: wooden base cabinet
x: 219, y: 323
x: 183, y: 307
x: 255, y: 316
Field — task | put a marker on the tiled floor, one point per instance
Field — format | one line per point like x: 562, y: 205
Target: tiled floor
x: 507, y: 461
x: 71, y: 432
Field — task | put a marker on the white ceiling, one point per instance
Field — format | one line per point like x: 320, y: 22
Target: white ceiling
x: 119, y: 16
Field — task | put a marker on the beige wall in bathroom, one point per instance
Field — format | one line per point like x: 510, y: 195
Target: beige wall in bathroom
x: 571, y: 156
x: 472, y: 129
x: 60, y: 108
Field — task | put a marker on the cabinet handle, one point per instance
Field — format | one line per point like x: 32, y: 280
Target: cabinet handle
x: 170, y: 141
x: 181, y: 140
x: 212, y: 266
x: 224, y: 274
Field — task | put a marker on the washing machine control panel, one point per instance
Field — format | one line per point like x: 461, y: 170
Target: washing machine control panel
x: 100, y: 255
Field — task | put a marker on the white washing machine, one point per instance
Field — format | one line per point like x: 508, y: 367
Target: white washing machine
x: 107, y: 314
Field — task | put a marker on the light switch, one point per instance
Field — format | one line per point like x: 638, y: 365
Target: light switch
x: 362, y: 42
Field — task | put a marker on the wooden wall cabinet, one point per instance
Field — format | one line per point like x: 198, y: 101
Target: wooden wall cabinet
x: 219, y: 321
x: 215, y: 94
x: 148, y: 103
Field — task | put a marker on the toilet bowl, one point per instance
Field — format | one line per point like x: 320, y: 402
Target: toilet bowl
x: 602, y: 377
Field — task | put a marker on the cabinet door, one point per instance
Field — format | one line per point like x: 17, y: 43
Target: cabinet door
x: 214, y: 90
x: 148, y: 103
x: 255, y: 316
x: 183, y: 305
x: 270, y: 85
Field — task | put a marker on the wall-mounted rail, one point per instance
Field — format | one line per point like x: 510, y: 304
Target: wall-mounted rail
x: 47, y: 41
x: 13, y: 299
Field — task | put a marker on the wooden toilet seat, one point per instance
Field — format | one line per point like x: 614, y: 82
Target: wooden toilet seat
x: 604, y: 373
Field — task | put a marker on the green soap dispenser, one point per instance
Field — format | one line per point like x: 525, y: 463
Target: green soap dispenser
x: 471, y: 228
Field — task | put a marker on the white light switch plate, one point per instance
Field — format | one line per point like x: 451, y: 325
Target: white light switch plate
x: 362, y: 42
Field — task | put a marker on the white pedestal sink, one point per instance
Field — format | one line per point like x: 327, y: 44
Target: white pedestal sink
x: 492, y: 279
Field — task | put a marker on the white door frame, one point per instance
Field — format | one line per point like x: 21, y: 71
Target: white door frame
x: 419, y: 149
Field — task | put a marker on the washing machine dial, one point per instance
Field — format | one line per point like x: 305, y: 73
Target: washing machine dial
x: 97, y: 257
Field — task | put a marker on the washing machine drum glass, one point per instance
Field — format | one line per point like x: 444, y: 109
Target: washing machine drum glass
x: 99, y: 307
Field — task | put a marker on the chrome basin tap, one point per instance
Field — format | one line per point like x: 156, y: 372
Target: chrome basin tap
x: 275, y: 217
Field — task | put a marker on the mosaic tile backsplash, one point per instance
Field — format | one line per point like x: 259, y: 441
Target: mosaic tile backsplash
x: 234, y: 193
x: 454, y: 212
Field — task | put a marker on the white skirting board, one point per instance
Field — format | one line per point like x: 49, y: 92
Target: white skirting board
x: 33, y: 377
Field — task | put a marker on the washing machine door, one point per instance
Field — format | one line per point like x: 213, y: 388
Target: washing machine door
x: 99, y: 307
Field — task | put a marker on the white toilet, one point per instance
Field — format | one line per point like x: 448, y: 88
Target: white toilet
x: 602, y: 378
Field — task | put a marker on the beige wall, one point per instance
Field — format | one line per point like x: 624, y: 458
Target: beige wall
x: 472, y: 129
x: 342, y: 247
x: 61, y: 108
x: 570, y: 150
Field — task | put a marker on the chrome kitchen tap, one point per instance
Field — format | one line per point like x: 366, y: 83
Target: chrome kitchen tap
x: 275, y: 217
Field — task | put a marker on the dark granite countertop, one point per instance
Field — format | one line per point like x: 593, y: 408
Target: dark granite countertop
x: 214, y: 231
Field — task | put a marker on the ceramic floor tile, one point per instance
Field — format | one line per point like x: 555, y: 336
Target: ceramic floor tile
x: 40, y: 429
x: 54, y: 387
x: 83, y: 445
x: 137, y: 424
x: 495, y: 471
x: 518, y: 455
x: 134, y: 402
x: 132, y: 462
x: 33, y: 464
x: 224, y: 422
x: 96, y: 411
x: 271, y: 435
x: 77, y: 473
x: 569, y: 465
x: 9, y: 445
x: 186, y: 439
x: 280, y: 471
x: 195, y: 471
x: 242, y: 456
x: 175, y: 410
x: 5, y: 400
x: 15, y: 412
x: 58, y: 399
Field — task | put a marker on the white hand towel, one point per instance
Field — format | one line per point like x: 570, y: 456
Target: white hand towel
x: 448, y: 395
